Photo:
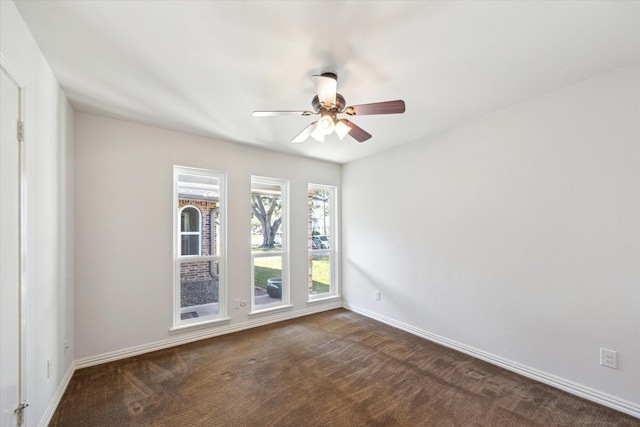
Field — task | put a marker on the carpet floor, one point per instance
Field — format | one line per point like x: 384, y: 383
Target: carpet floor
x: 336, y: 368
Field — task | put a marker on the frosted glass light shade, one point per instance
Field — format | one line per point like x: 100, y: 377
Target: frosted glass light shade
x: 326, y: 124
x: 342, y: 129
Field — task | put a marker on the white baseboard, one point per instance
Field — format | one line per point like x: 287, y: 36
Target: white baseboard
x: 588, y: 393
x: 201, y: 334
x: 55, y: 401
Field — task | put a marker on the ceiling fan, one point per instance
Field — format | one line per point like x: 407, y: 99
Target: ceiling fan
x: 328, y: 104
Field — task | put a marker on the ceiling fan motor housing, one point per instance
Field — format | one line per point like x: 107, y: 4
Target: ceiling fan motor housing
x: 339, y: 107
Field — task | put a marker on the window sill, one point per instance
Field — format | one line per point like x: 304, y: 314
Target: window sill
x: 268, y: 311
x: 324, y: 299
x: 201, y: 325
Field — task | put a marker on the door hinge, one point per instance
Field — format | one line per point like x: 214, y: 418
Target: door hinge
x: 20, y: 412
x: 20, y: 131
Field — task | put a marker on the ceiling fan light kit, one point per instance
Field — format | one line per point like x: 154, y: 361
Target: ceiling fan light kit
x: 328, y: 104
x: 326, y: 124
x: 342, y: 129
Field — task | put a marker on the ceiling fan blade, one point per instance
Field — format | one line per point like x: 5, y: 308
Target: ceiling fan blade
x: 356, y: 131
x: 302, y: 136
x: 387, y: 107
x: 326, y: 86
x: 282, y: 113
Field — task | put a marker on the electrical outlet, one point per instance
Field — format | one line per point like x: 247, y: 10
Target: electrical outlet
x: 378, y: 295
x: 48, y: 368
x: 609, y: 358
x: 236, y: 303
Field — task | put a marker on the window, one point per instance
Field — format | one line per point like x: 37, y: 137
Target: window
x: 269, y: 251
x: 322, y: 242
x: 190, y: 237
x: 199, y: 284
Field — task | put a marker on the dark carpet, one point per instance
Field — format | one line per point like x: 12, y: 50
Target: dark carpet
x: 336, y: 368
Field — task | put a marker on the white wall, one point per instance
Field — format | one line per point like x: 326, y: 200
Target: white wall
x: 124, y: 218
x: 49, y: 153
x: 516, y: 234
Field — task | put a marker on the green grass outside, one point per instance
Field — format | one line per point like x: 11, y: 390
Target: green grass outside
x: 262, y: 274
x: 321, y: 275
x: 266, y: 268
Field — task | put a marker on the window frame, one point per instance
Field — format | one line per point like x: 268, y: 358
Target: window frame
x: 183, y: 325
x: 285, y: 301
x: 332, y: 251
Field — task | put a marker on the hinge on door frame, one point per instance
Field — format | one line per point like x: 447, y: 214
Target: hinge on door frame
x: 20, y: 131
x: 19, y: 411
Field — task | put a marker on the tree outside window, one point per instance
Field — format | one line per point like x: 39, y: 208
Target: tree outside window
x: 269, y: 252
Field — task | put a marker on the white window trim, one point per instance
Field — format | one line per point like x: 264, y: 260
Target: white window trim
x: 333, y: 251
x: 187, y: 325
x: 283, y: 252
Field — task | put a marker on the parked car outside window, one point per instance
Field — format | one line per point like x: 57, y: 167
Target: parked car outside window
x: 316, y: 243
x: 325, y: 244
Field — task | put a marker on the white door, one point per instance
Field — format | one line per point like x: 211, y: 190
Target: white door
x: 10, y: 252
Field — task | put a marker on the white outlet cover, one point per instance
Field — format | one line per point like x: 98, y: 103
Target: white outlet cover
x: 609, y: 358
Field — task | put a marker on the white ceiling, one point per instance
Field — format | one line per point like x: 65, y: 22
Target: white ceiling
x: 202, y: 67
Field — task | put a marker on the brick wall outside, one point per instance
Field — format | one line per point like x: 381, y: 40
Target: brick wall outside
x: 192, y: 271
